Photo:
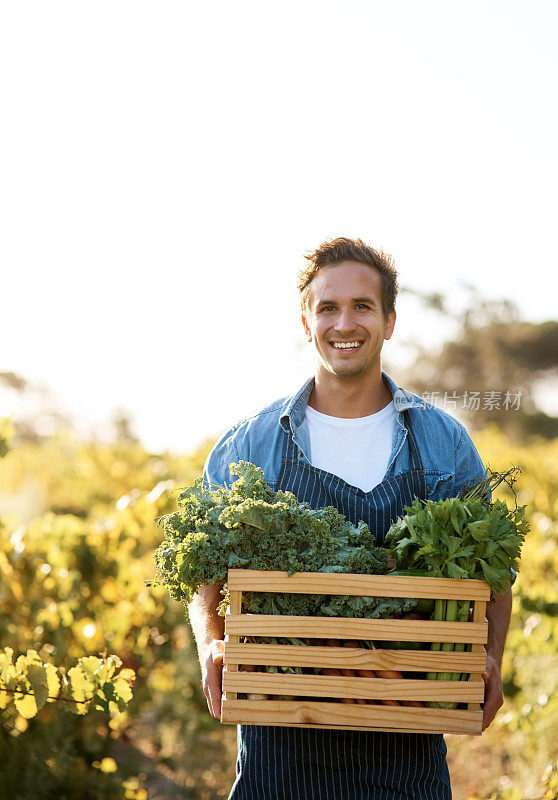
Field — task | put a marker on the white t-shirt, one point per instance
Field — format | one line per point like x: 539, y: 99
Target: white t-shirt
x: 356, y: 450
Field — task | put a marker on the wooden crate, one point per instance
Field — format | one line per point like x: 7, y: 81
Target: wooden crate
x: 320, y: 713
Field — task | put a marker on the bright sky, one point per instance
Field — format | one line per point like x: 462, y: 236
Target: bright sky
x: 164, y: 166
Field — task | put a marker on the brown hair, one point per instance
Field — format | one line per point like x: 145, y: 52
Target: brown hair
x: 334, y: 251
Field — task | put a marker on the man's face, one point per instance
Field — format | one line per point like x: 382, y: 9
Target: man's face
x: 344, y: 318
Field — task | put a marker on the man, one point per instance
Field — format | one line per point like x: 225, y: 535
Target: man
x: 349, y: 438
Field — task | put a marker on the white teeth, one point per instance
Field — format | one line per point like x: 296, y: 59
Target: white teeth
x: 346, y: 345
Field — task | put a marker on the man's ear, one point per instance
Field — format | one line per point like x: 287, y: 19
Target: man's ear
x: 390, y: 325
x: 306, y: 327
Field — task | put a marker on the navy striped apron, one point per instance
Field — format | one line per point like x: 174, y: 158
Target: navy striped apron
x: 281, y: 763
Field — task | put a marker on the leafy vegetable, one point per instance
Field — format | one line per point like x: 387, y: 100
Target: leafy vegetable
x: 250, y: 526
x: 461, y: 537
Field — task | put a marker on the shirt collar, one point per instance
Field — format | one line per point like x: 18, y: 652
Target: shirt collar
x: 294, y: 413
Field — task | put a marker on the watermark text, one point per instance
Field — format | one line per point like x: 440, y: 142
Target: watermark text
x: 475, y: 401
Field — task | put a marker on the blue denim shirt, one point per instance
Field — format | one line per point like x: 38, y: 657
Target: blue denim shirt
x: 448, y: 455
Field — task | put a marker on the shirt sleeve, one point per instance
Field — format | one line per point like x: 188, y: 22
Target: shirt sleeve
x: 224, y: 453
x: 468, y: 463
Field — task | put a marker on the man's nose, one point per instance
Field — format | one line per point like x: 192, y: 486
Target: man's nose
x: 345, y: 321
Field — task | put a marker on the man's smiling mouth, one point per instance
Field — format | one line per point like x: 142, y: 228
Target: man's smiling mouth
x: 346, y: 345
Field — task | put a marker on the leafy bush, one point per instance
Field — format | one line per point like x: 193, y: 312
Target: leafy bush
x: 97, y: 558
x: 72, y: 587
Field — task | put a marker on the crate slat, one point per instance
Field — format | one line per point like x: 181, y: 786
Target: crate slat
x: 346, y: 727
x: 354, y: 687
x: 353, y: 658
x: 346, y: 628
x: 351, y: 716
x: 358, y: 585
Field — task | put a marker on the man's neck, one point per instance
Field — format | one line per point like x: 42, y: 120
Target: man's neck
x: 350, y: 397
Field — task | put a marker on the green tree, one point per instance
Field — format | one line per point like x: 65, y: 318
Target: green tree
x: 495, y: 354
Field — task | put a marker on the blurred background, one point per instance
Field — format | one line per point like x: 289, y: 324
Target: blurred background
x: 164, y: 170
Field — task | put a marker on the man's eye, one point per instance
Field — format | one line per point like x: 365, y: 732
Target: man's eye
x: 362, y: 305
x: 327, y: 308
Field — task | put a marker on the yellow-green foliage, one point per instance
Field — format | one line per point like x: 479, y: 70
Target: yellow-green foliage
x: 72, y: 586
x: 29, y: 683
x: 71, y: 591
x: 522, y: 742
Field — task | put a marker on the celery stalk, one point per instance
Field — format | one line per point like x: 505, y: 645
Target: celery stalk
x: 444, y: 611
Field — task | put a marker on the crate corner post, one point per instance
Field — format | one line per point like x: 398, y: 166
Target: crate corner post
x: 479, y: 616
x: 234, y: 610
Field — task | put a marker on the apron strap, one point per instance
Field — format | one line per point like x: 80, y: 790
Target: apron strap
x: 415, y: 461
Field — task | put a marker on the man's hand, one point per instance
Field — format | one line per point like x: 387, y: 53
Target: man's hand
x: 211, y: 660
x: 209, y: 632
x: 493, y: 692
